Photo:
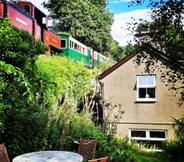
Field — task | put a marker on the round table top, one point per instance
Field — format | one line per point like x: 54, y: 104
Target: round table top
x: 49, y: 156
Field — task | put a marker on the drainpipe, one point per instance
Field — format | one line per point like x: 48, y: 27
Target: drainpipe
x: 100, y: 102
x: 102, y: 88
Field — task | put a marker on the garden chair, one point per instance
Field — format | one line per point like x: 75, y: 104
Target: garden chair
x: 103, y: 159
x: 3, y: 153
x: 87, y: 148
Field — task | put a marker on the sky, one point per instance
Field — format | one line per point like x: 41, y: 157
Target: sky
x: 122, y: 15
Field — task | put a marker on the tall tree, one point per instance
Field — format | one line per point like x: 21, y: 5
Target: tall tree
x: 116, y: 51
x: 89, y: 21
x: 165, y: 33
x: 129, y: 48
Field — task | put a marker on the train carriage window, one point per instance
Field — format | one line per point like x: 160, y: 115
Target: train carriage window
x: 63, y: 43
x: 71, y: 45
x: 75, y: 46
x: 27, y: 8
x: 84, y: 51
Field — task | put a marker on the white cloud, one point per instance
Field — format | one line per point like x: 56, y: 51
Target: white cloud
x: 119, y: 1
x: 118, y: 29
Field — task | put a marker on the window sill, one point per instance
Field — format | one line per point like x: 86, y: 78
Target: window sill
x: 146, y: 100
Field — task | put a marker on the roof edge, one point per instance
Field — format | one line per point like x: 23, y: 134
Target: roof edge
x: 127, y: 58
x: 115, y: 66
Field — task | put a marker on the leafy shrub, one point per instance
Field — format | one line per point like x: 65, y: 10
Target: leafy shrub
x: 17, y: 47
x: 122, y: 156
x: 175, y: 148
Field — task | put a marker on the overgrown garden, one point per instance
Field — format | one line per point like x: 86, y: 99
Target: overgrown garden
x: 39, y: 104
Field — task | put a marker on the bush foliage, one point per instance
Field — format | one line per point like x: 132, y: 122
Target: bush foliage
x: 39, y: 96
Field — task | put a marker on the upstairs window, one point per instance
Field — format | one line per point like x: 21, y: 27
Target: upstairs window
x: 146, y: 88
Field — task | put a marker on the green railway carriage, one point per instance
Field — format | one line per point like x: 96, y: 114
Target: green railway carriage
x: 98, y: 58
x: 75, y: 50
x: 78, y: 52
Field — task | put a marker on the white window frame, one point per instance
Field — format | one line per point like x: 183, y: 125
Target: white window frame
x: 148, y: 138
x: 147, y: 98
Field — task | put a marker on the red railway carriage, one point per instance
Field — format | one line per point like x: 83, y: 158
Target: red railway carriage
x: 26, y: 16
x: 40, y: 19
x: 37, y: 31
x: 54, y: 41
x: 18, y: 17
x: 48, y: 37
x: 29, y: 7
x: 1, y: 10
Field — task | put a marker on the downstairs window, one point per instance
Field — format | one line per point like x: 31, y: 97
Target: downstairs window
x: 151, y: 139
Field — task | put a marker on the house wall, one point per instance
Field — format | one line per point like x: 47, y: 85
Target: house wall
x: 120, y: 87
